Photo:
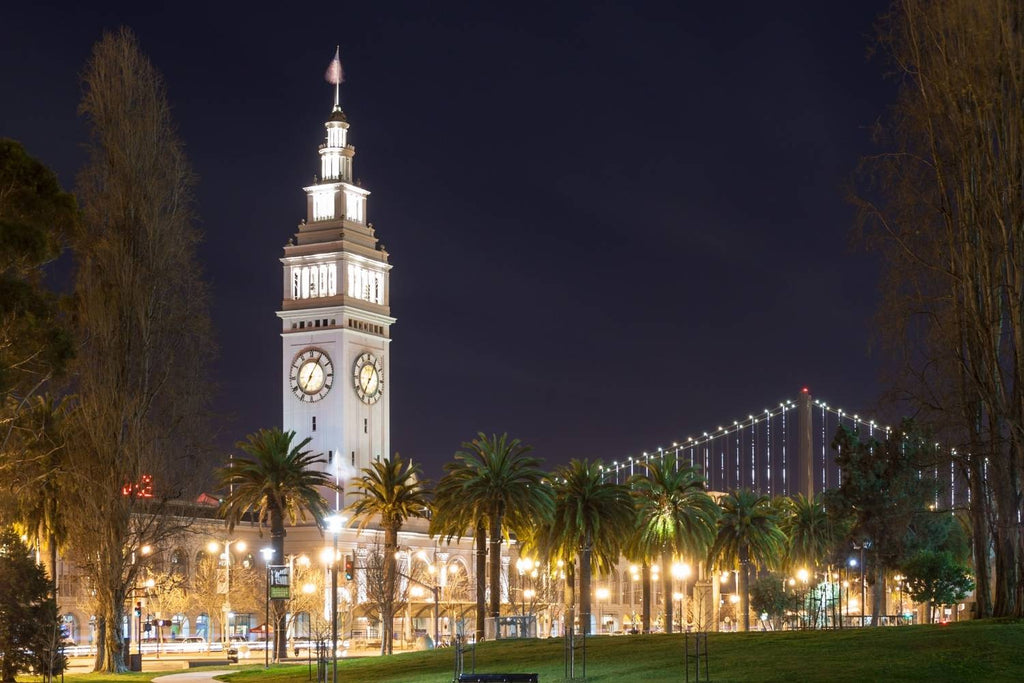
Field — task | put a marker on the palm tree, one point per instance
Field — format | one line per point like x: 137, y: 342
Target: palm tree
x: 506, y: 487
x: 675, y: 517
x: 748, y: 532
x: 279, y: 480
x: 810, y: 531
x: 812, y: 536
x: 592, y: 519
x: 391, y: 492
x: 454, y: 516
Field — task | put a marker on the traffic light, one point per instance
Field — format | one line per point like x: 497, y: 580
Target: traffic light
x: 138, y: 608
x: 348, y: 568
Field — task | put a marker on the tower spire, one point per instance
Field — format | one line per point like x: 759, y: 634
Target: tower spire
x: 334, y: 76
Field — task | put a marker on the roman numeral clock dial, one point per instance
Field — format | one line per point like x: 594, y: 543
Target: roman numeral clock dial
x: 368, y: 378
x: 311, y: 375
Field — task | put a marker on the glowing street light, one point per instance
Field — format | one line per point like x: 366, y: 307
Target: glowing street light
x: 334, y: 525
x: 267, y: 553
x: 602, y: 595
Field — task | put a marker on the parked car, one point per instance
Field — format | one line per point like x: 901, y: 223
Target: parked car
x: 193, y: 644
x: 301, y: 647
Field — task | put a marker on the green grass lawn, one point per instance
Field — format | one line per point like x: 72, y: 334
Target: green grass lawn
x: 970, y: 651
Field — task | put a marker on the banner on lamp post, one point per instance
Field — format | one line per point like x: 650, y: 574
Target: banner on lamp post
x: 280, y: 582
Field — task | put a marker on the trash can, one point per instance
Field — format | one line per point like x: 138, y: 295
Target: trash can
x: 135, y: 661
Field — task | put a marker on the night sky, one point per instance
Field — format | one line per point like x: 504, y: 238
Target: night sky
x: 612, y: 225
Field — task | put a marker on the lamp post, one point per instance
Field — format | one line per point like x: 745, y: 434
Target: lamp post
x: 225, y: 588
x: 805, y: 619
x: 334, y: 525
x: 304, y: 562
x: 435, y: 576
x: 851, y: 563
x: 681, y: 572
x: 434, y: 588
x: 899, y: 584
x: 679, y: 606
x: 602, y: 595
x: 267, y: 553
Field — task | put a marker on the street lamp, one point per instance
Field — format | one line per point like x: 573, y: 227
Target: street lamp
x: 433, y: 586
x: 681, y: 572
x: 225, y: 558
x: 334, y: 525
x: 679, y: 603
x: 899, y: 583
x: 267, y: 553
x: 861, y: 548
x: 602, y: 595
x: 803, y: 575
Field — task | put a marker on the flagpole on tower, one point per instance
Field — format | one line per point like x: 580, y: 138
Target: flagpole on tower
x: 334, y: 75
x: 337, y: 81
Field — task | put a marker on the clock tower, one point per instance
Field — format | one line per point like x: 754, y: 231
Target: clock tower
x: 336, y: 319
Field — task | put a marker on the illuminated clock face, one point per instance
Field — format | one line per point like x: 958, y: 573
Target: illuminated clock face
x: 368, y: 378
x: 312, y: 375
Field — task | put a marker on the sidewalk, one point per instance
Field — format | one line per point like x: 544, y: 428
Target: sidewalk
x: 191, y: 677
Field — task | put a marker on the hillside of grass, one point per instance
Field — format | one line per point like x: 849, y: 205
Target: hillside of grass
x: 969, y: 651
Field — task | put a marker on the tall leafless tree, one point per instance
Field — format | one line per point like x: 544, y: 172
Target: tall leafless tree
x: 945, y: 205
x: 144, y: 330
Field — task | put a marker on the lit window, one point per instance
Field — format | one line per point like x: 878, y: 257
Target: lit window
x: 323, y: 206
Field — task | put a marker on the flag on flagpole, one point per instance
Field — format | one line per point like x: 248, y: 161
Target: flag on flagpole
x: 333, y: 74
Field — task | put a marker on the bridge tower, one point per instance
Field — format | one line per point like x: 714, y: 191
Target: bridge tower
x: 805, y: 449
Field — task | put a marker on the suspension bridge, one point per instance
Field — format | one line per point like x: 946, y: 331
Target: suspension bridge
x: 779, y: 451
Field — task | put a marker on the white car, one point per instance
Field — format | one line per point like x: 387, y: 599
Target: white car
x: 193, y: 644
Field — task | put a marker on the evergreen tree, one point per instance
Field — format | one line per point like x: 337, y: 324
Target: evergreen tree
x: 935, y: 577
x: 36, y: 217
x: 29, y: 629
x: 886, y: 484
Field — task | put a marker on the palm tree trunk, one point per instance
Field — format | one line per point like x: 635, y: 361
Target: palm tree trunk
x: 277, y: 534
x: 494, y: 612
x: 390, y: 579
x: 481, y: 580
x: 570, y: 596
x: 52, y: 547
x: 744, y: 586
x: 645, y: 599
x: 585, y: 607
x: 666, y: 588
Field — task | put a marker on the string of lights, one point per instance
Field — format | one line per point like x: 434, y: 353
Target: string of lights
x: 717, y: 454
